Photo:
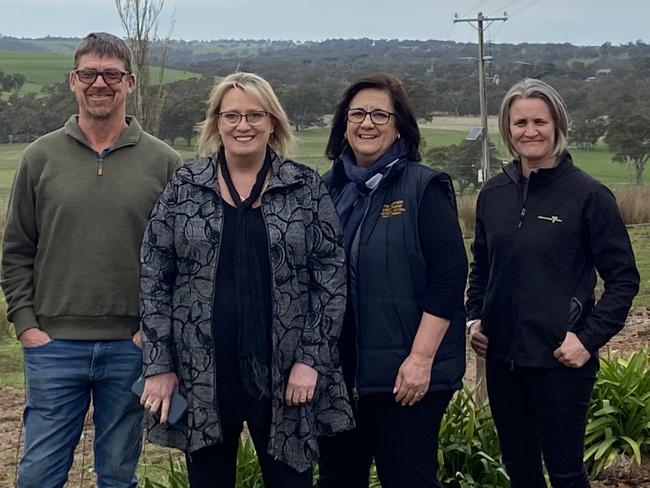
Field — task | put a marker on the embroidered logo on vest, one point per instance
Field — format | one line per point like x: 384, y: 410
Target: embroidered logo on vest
x: 393, y: 209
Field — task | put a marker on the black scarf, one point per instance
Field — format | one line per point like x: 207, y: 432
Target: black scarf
x: 252, y: 324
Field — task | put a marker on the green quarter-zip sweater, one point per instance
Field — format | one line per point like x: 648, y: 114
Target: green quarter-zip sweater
x: 75, y: 221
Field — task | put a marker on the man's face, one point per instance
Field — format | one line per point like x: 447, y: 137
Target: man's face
x: 98, y: 99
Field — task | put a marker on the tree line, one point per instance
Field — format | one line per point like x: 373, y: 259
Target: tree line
x: 609, y: 104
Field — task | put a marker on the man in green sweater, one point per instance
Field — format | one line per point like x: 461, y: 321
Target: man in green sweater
x: 70, y: 265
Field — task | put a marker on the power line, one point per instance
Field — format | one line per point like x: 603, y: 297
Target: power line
x: 524, y: 8
x: 481, y: 2
x: 501, y: 9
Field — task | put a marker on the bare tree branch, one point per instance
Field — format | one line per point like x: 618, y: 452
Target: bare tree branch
x: 139, y: 19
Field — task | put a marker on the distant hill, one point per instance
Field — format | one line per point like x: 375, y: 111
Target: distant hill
x: 432, y: 52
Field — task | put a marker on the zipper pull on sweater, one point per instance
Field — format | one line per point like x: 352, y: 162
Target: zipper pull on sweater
x: 100, y: 163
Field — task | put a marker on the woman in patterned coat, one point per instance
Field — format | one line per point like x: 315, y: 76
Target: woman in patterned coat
x: 242, y: 297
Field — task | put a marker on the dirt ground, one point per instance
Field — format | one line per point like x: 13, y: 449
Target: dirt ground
x: 634, y: 336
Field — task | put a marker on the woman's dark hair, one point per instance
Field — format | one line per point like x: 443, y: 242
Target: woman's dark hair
x: 407, y: 126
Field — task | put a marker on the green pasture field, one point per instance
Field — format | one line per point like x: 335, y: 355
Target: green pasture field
x: 310, y: 148
x: 10, y: 155
x: 47, y: 68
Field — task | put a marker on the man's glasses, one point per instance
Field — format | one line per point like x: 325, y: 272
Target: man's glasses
x: 110, y: 76
x: 378, y: 117
x: 234, y: 118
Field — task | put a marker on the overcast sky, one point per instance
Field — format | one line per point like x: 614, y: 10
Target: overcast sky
x: 581, y: 22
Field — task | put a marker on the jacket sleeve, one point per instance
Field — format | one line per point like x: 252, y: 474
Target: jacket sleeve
x: 479, y: 268
x: 19, y: 251
x: 611, y: 251
x: 157, y: 276
x: 327, y: 289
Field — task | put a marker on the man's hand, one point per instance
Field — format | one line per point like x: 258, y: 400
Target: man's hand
x: 571, y: 352
x: 137, y: 339
x: 157, y: 394
x: 413, y: 378
x: 301, y: 385
x: 34, y: 337
x: 477, y: 339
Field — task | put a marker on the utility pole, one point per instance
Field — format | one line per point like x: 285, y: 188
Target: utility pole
x: 480, y: 19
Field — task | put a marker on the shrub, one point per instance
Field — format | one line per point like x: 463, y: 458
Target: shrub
x: 634, y: 204
x: 176, y: 476
x: 468, y: 452
x: 619, y: 414
x: 466, y: 214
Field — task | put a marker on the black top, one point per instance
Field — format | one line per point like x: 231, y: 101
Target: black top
x: 443, y: 250
x: 234, y: 404
x: 537, y: 246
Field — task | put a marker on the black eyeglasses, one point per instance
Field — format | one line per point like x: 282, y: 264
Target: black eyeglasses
x: 110, y: 76
x: 234, y: 118
x: 378, y: 117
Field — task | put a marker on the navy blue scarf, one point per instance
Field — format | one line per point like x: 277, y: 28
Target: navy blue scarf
x: 360, y: 182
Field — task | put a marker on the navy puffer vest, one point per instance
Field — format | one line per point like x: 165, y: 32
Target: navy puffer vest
x: 387, y: 282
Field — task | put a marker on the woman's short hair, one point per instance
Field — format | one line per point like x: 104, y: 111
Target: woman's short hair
x: 533, y: 88
x: 209, y: 139
x: 407, y: 126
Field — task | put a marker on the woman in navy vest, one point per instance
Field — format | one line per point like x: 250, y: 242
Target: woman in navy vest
x: 402, y: 346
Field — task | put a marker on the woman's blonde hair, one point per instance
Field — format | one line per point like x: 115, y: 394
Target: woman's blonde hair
x: 281, y: 138
x: 533, y: 88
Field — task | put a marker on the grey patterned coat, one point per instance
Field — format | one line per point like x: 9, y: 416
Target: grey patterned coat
x: 179, y: 260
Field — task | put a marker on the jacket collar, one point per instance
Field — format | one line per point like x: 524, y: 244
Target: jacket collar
x: 128, y: 137
x: 203, y: 172
x: 544, y: 175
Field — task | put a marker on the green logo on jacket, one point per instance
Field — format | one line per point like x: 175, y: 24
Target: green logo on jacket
x: 552, y: 219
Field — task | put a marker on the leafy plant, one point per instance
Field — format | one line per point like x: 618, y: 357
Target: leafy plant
x: 176, y: 475
x: 249, y: 473
x: 468, y: 451
x: 619, y: 415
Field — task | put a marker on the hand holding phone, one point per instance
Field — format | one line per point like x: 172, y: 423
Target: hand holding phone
x: 177, y: 404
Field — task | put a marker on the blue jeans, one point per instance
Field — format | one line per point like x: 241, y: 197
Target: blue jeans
x: 62, y: 376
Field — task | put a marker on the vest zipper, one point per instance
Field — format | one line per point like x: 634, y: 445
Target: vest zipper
x: 355, y: 244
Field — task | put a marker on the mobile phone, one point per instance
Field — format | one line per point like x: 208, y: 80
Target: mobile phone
x: 177, y: 405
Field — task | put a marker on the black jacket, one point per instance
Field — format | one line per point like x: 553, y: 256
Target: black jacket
x: 538, y: 243
x: 388, y: 278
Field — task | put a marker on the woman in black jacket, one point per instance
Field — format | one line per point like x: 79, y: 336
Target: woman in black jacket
x: 543, y: 229
x: 402, y: 344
